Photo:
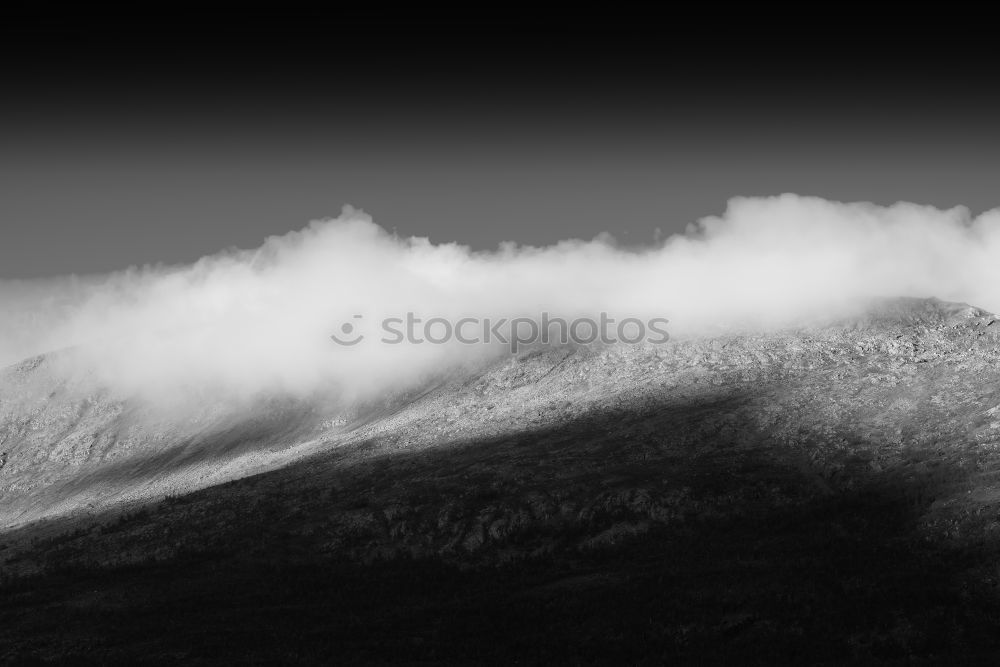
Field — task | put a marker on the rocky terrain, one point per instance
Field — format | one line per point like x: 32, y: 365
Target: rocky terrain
x: 823, y: 494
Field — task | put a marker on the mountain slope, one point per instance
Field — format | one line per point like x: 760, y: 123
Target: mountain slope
x: 822, y: 493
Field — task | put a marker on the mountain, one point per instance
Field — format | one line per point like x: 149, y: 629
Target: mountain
x: 819, y: 494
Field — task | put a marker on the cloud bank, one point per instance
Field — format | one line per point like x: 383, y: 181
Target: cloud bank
x: 261, y: 320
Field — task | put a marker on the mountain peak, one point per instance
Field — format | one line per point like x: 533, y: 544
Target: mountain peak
x: 925, y: 311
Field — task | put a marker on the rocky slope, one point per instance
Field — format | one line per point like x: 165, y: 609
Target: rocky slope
x: 74, y: 446
x: 821, y: 493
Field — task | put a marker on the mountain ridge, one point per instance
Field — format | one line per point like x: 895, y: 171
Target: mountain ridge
x: 540, y: 387
x: 829, y: 467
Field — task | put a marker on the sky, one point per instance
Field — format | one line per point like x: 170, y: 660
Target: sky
x: 180, y: 135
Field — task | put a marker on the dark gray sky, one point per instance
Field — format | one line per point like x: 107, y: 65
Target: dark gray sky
x: 176, y: 139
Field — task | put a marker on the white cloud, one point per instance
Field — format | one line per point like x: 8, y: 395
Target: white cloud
x: 261, y: 320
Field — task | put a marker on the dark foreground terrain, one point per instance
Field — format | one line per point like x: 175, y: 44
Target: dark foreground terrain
x: 819, y: 496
